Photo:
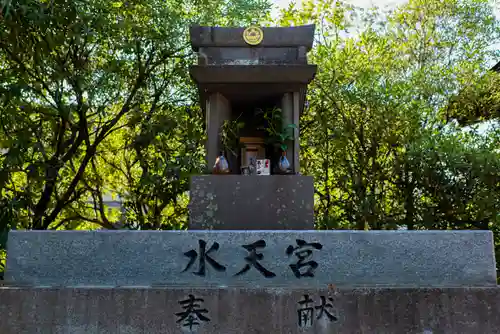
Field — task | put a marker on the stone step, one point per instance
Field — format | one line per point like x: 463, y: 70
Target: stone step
x: 251, y: 258
x: 249, y: 311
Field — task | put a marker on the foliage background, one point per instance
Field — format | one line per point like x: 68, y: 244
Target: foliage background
x: 96, y: 102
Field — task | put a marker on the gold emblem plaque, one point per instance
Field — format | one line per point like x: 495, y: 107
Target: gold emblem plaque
x: 253, y: 35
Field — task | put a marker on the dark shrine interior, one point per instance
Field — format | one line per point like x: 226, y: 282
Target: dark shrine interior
x: 250, y: 111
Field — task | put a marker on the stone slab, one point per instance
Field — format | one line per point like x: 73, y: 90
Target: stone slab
x: 253, y: 74
x: 160, y: 258
x: 238, y: 202
x: 249, y: 311
x: 250, y: 56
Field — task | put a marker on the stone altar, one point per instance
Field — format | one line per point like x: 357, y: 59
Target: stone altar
x: 260, y: 278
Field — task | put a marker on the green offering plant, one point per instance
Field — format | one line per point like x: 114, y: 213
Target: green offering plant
x: 229, y: 135
x: 279, y: 133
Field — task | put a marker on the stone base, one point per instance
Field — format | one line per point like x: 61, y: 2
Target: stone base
x: 229, y: 311
x: 162, y: 258
x: 238, y: 202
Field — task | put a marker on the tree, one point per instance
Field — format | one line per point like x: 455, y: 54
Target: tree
x: 457, y: 177
x: 477, y: 102
x: 376, y: 98
x: 96, y: 100
x: 80, y: 79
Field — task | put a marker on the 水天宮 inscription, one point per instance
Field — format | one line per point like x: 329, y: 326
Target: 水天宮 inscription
x: 308, y: 312
x: 253, y: 259
x: 304, y: 252
x: 304, y: 266
x: 203, y: 258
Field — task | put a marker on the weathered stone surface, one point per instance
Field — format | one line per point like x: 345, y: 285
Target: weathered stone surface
x: 230, y: 311
x: 238, y: 202
x: 347, y: 258
x: 233, y: 37
x: 250, y: 56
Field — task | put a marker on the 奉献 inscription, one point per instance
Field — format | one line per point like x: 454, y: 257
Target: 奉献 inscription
x: 253, y: 259
x: 307, y: 311
x: 193, y: 315
x: 203, y: 258
x: 303, y: 251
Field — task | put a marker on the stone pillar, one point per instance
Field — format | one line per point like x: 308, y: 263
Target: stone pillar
x: 296, y: 143
x: 287, y: 109
x: 218, y: 109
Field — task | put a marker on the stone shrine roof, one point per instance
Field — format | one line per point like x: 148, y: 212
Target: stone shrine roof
x: 300, y: 36
x: 245, y: 72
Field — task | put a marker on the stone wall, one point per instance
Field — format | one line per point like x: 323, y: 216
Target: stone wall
x: 255, y: 311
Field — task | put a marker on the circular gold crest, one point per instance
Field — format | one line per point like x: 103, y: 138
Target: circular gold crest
x: 253, y: 35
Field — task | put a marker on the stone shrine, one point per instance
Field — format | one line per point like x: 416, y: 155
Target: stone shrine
x: 231, y: 273
x: 236, y: 79
x: 261, y: 85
